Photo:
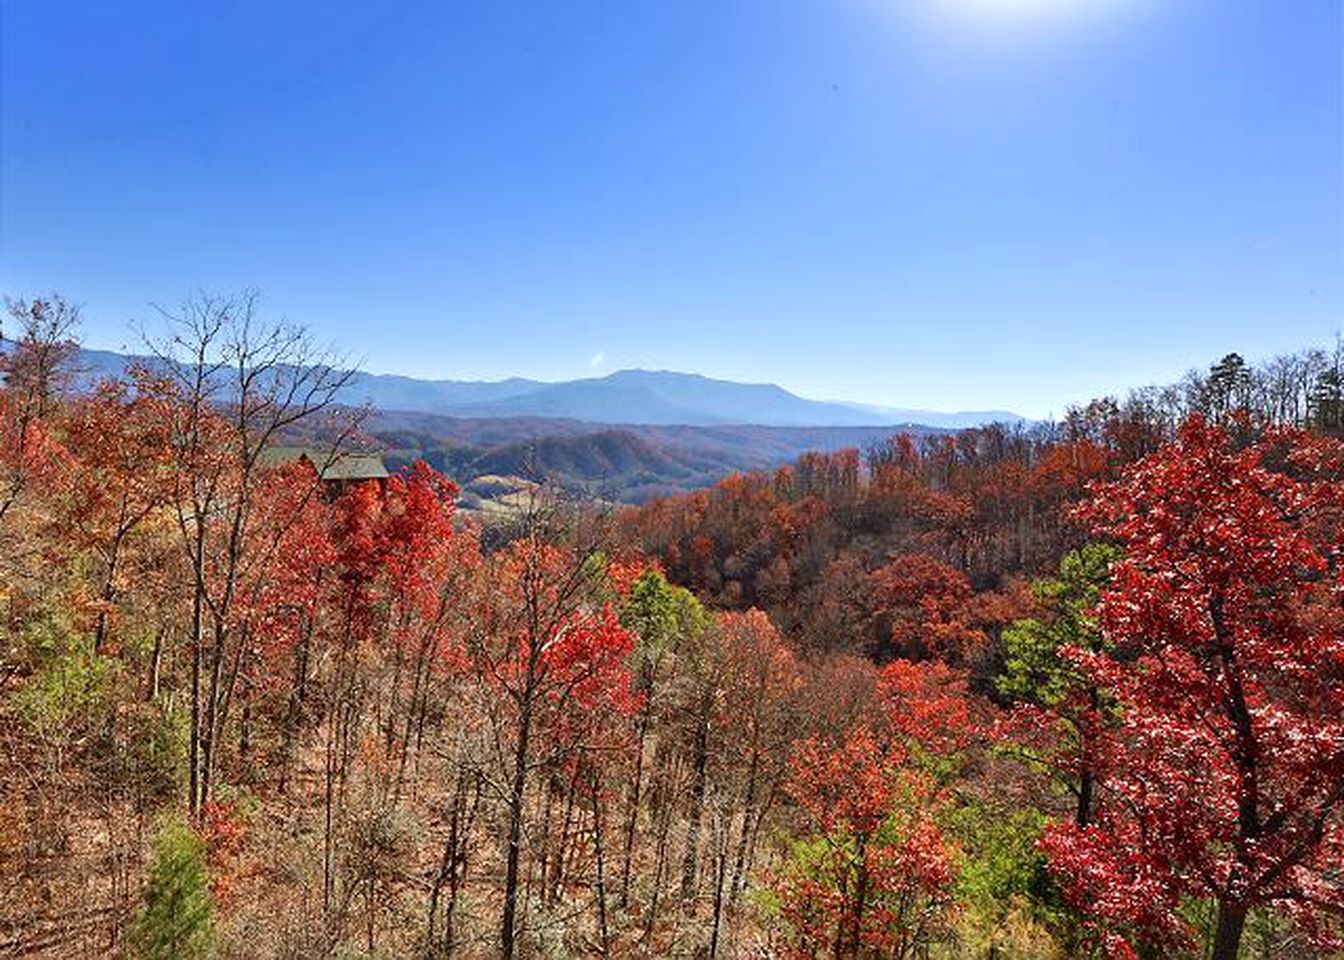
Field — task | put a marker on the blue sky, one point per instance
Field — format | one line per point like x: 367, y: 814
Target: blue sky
x: 942, y: 203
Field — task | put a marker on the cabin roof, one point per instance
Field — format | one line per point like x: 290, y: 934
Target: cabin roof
x: 331, y: 466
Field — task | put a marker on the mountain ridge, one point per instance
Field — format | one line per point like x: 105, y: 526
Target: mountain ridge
x: 624, y: 397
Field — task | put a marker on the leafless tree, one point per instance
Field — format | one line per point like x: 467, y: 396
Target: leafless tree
x: 241, y: 384
x: 36, y: 369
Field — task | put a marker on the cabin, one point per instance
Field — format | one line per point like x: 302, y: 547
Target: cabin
x: 338, y: 470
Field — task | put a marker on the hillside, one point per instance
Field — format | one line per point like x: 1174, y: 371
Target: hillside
x: 316, y: 713
x: 630, y: 464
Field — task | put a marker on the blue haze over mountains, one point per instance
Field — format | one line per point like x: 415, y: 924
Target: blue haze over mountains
x: 625, y: 397
x: 626, y: 437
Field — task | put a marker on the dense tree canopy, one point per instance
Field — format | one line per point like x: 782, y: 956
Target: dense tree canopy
x: 1063, y: 691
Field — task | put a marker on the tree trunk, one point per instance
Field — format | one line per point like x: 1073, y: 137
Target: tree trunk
x: 517, y: 794
x: 1086, y: 783
x: 155, y: 667
x: 297, y: 695
x: 860, y: 902
x: 664, y: 821
x: 1227, y: 937
x: 720, y: 872
x: 328, y: 791
x: 600, y: 891
x: 1087, y: 779
x: 109, y: 591
x: 197, y: 635
x: 415, y: 712
x: 452, y: 869
x: 748, y: 807
x: 551, y: 889
x: 700, y: 762
x: 637, y: 783
x: 211, y: 719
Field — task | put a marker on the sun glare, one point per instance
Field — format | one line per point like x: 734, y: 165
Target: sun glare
x: 1026, y: 14
x: 1013, y: 20
x: 1024, y: 9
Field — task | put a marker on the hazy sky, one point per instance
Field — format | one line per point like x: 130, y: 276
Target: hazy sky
x: 941, y: 203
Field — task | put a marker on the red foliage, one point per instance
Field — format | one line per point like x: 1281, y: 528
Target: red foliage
x: 565, y: 668
x: 222, y: 832
x: 623, y: 571
x: 849, y: 784
x: 1225, y: 778
x: 281, y: 590
x: 922, y: 603
x: 1065, y: 470
x: 397, y: 550
x: 879, y: 874
x: 927, y: 703
x: 28, y: 453
x: 760, y: 676
x: 117, y: 476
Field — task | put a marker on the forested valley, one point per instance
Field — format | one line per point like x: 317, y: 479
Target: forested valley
x: 1072, y: 689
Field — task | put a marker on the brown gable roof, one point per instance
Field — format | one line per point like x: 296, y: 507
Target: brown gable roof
x: 333, y: 467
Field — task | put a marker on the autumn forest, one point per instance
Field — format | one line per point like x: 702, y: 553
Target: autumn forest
x: 1048, y: 690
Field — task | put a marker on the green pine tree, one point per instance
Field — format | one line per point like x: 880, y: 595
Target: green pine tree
x: 661, y: 615
x: 1034, y: 670
x: 175, y: 922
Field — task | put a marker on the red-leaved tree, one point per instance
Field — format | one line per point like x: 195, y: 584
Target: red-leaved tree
x: 1225, y: 776
x: 876, y: 875
x: 921, y: 608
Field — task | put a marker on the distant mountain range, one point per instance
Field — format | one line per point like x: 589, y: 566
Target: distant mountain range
x: 647, y: 397
x: 626, y: 437
x: 652, y: 397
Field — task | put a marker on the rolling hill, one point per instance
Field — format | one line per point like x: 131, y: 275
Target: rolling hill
x: 629, y: 464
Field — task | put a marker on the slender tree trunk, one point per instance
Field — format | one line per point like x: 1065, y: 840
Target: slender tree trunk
x: 197, y: 636
x: 390, y: 721
x: 216, y: 697
x: 297, y: 695
x: 109, y: 591
x: 664, y: 821
x: 540, y: 863
x: 1087, y: 780
x: 328, y: 880
x: 458, y: 877
x: 860, y: 899
x: 245, y: 733
x: 632, y: 815
x: 720, y: 872
x: 369, y: 912
x: 701, y: 762
x: 517, y: 795
x: 452, y: 868
x: 211, y: 714
x: 446, y: 862
x: 1245, y: 755
x: 748, y: 808
x: 415, y: 711
x: 601, y: 885
x: 155, y: 666
x: 551, y: 890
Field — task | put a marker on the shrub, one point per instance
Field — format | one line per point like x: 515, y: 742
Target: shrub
x: 176, y: 921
